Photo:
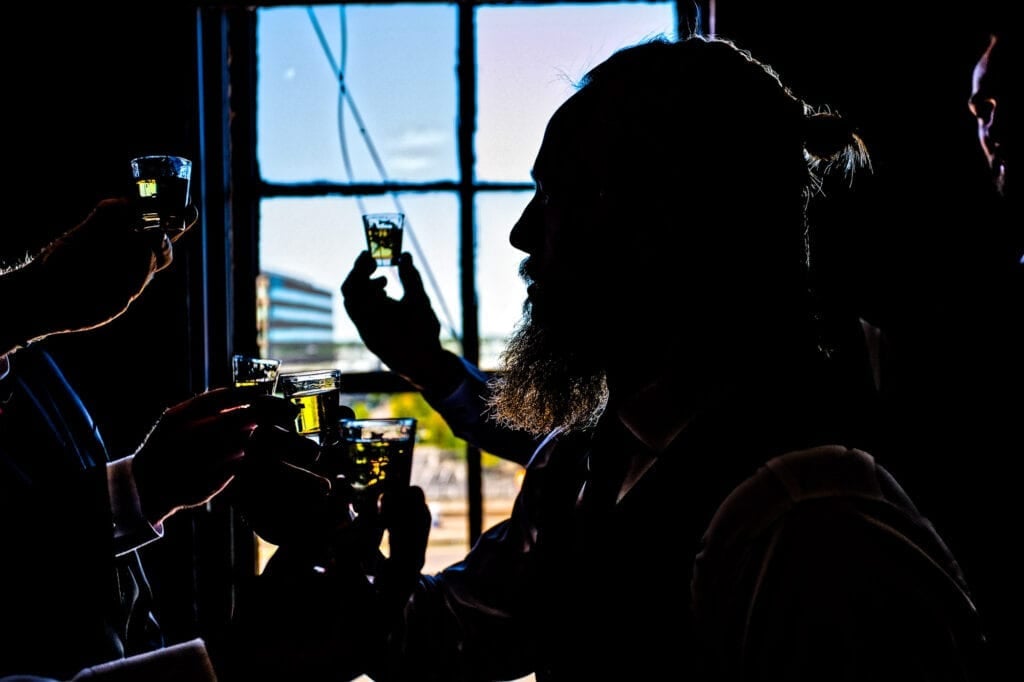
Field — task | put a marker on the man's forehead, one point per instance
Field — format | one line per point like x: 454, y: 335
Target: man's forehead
x: 992, y: 67
x: 573, y: 145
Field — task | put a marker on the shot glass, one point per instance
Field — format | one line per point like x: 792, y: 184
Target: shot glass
x: 318, y: 395
x: 371, y: 456
x: 257, y: 372
x: 384, y: 236
x: 162, y: 191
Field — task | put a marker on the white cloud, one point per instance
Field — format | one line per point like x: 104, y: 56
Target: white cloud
x: 414, y: 150
x: 418, y: 140
x: 407, y: 163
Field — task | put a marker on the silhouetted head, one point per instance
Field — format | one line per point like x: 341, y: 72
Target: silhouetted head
x: 668, y: 224
x: 992, y: 105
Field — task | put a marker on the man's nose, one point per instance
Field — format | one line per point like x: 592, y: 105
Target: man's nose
x: 524, y: 233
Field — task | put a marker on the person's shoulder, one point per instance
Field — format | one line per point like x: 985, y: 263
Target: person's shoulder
x: 822, y: 551
x: 831, y: 475
x: 827, y: 504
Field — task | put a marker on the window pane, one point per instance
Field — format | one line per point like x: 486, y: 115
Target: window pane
x: 399, y: 68
x: 528, y: 58
x: 307, y: 248
x: 501, y: 291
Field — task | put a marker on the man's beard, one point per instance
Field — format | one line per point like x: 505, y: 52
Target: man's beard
x: 1000, y: 181
x: 547, y: 381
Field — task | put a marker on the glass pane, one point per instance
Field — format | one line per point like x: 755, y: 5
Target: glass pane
x: 500, y: 290
x: 528, y: 58
x: 399, y: 69
x: 307, y: 248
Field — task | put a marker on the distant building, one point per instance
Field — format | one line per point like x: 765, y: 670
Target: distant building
x: 295, y: 324
x: 295, y: 319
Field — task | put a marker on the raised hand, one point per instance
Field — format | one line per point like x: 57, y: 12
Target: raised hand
x: 197, y: 446
x: 88, y: 276
x: 403, y: 333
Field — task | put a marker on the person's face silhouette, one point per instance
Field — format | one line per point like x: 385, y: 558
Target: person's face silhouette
x: 568, y: 230
x: 991, y: 105
x: 555, y: 362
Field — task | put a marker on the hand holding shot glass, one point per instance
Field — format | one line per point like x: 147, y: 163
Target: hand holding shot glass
x: 384, y: 236
x: 162, y: 191
x: 370, y: 456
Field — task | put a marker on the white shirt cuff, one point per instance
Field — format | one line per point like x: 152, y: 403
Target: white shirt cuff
x: 131, y: 529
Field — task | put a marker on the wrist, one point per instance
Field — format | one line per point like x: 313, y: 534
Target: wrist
x: 151, y: 500
x: 440, y: 376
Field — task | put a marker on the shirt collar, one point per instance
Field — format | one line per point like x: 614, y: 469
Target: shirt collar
x: 655, y: 414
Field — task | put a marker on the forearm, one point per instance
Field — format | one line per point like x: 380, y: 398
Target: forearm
x: 27, y: 302
x: 464, y: 409
x: 436, y: 377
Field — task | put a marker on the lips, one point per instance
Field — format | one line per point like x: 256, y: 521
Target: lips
x: 535, y: 296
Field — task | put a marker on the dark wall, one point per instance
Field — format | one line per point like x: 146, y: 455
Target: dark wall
x: 901, y: 71
x: 90, y: 89
x: 924, y: 249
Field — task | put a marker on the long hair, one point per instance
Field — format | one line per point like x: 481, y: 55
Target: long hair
x: 706, y: 139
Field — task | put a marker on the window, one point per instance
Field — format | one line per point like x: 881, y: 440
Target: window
x: 435, y: 110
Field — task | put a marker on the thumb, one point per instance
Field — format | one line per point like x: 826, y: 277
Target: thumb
x: 405, y: 514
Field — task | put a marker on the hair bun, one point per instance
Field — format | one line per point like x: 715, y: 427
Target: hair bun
x: 832, y: 140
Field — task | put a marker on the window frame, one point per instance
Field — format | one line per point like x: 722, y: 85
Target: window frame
x: 232, y: 190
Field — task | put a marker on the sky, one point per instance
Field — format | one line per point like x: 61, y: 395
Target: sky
x: 398, y: 121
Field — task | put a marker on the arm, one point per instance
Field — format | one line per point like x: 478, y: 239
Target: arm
x: 196, y: 448
x: 310, y: 618
x: 404, y: 333
x: 465, y: 411
x: 58, y: 558
x: 84, y: 279
x: 132, y: 529
x: 313, y: 613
